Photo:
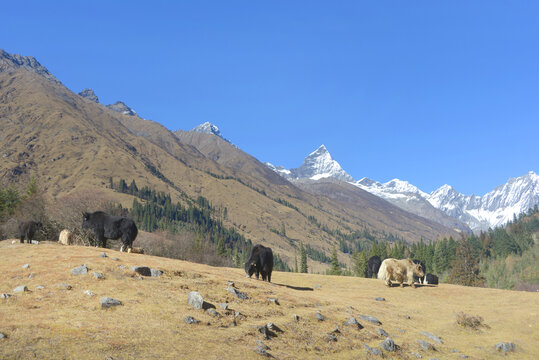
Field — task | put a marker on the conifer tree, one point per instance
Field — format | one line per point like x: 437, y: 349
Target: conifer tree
x: 335, y: 268
x: 465, y: 269
x: 303, y: 259
x: 359, y: 263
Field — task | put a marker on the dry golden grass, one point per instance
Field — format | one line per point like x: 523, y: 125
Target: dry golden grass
x: 60, y: 324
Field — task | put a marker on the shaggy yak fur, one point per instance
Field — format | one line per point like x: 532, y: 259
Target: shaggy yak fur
x: 65, y: 237
x: 27, y: 229
x: 110, y: 227
x: 420, y: 280
x: 260, y: 262
x: 373, y: 265
x: 399, y: 271
x: 431, y: 279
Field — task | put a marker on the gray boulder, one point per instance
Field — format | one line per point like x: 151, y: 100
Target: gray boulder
x: 64, y: 286
x: 425, y: 345
x: 382, y: 332
x: 98, y: 275
x: 372, y: 351
x: 388, y: 345
x: 370, y: 319
x: 19, y: 289
x: 223, y: 306
x: 2, y: 336
x: 237, y: 293
x: 103, y: 255
x: 107, y: 302
x: 505, y: 346
x: 79, y: 270
x: 190, y: 320
x: 262, y: 345
x: 432, y: 337
x: 274, y: 300
x: 212, y: 312
x: 40, y: 287
x: 319, y: 316
x: 89, y: 293
x: 25, y: 266
x: 353, y: 322
x: 379, y: 299
x: 195, y: 300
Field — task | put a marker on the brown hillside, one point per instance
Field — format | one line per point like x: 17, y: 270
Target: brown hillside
x: 54, y: 323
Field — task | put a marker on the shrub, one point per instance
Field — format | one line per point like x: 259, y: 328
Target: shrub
x: 470, y: 321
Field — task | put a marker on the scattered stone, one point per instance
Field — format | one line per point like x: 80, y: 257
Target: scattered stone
x: 142, y: 270
x: 261, y: 351
x: 271, y: 326
x: 19, y: 289
x: 319, y: 316
x: 262, y: 345
x: 352, y: 321
x: 98, y: 275
x: 26, y: 266
x: 115, y: 259
x: 79, y: 270
x: 237, y: 293
x: 31, y: 276
x: 454, y: 351
x: 89, y: 293
x: 336, y: 330
x: 267, y: 333
x: 40, y: 287
x: 107, y: 302
x: 296, y: 317
x: 274, y: 300
x: 370, y: 319
x: 223, y: 306
x: 64, y: 286
x: 400, y: 330
x: 195, y: 300
x: 190, y: 320
x: 237, y: 314
x: 407, y: 317
x: 317, y: 286
x: 5, y: 296
x: 231, y: 283
x: 123, y: 267
x: 13, y: 241
x: 332, y: 337
x: 35, y: 242
x: 103, y: 255
x: 379, y: 299
x: 388, y: 345
x: 425, y: 345
x: 372, y: 351
x: 212, y: 312
x: 3, y: 336
x: 417, y: 355
x: 464, y: 356
x: 505, y: 347
x: 156, y: 273
x: 382, y: 332
x: 432, y: 337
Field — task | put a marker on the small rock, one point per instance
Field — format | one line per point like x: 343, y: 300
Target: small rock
x: 425, y: 345
x: 79, y: 270
x: 89, y: 293
x: 370, y: 319
x: 454, y: 351
x: 388, y: 344
x: 231, y: 283
x: 400, y: 330
x: 64, y: 287
x: 319, y: 316
x: 296, y: 317
x: 5, y: 296
x: 432, y: 337
x: 505, y: 347
x: 336, y: 330
x: 237, y: 293
x: 462, y: 356
x: 223, y: 306
x: 267, y: 333
x: 98, y: 275
x: 156, y: 273
x: 212, y: 312
x: 142, y: 270
x: 332, y: 337
x: 19, y: 289
x: 26, y: 266
x: 372, y: 351
x: 273, y: 327
x: 407, y: 317
x: 352, y: 321
x: 35, y: 242
x: 123, y: 267
x: 195, y: 300
x: 31, y: 276
x: 261, y: 351
x: 274, y: 300
x: 317, y: 286
x: 237, y: 314
x: 417, y: 355
x: 103, y: 255
x: 382, y: 332
x: 115, y: 259
x: 3, y: 336
x: 262, y: 345
x: 190, y: 320
x: 107, y: 302
x: 40, y: 287
x: 379, y: 299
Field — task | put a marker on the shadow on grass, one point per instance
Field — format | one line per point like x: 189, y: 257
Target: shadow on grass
x: 295, y: 287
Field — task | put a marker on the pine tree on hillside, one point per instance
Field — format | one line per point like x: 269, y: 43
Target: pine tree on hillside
x: 303, y: 259
x: 335, y: 268
x: 465, y: 269
x: 359, y: 259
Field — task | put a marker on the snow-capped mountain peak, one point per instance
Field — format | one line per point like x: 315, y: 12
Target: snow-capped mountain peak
x: 319, y: 164
x: 209, y: 128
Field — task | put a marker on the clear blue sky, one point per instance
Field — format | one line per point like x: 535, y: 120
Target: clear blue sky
x: 426, y: 91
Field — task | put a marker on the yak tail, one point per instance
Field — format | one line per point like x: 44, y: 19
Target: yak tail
x: 382, y: 272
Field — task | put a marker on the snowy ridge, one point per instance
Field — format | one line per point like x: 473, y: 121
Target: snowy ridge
x: 209, y: 128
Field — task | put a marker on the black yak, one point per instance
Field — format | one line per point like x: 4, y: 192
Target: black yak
x: 373, y: 265
x: 260, y: 262
x: 27, y: 229
x: 110, y: 227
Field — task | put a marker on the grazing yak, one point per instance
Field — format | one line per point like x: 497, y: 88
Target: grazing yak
x: 260, y: 262
x: 373, y: 265
x: 110, y: 227
x: 66, y: 237
x: 418, y: 279
x: 27, y: 229
x: 431, y: 279
x: 399, y: 271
